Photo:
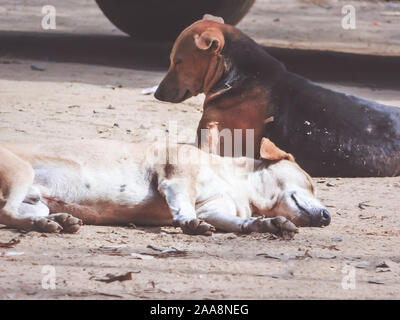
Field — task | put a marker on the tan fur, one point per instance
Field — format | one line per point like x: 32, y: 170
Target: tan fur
x: 111, y: 182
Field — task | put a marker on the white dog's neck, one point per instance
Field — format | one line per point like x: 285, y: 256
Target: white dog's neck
x: 265, y: 189
x: 254, y: 182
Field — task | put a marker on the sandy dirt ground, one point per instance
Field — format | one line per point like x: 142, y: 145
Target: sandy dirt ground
x: 317, y: 24
x: 83, y: 95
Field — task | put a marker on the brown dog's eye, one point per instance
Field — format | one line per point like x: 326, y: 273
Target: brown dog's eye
x: 176, y: 62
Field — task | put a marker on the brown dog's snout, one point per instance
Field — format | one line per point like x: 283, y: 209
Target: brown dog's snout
x: 170, y: 93
x: 170, y: 90
x: 159, y: 94
x: 164, y: 90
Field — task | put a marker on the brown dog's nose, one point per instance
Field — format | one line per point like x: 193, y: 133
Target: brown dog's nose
x: 159, y: 94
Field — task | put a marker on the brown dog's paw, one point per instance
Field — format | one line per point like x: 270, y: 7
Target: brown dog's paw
x: 69, y: 223
x: 46, y: 225
x: 197, y: 227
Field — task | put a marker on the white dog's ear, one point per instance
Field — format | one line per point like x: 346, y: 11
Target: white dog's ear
x: 213, y: 18
x: 269, y: 151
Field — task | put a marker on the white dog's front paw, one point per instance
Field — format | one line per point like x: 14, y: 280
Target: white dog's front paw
x: 278, y: 225
x: 286, y: 228
x: 196, y: 227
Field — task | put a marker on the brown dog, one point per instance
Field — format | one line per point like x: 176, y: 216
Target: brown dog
x: 328, y: 132
x: 197, y: 69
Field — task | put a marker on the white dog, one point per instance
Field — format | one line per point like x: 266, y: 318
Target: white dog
x: 52, y: 187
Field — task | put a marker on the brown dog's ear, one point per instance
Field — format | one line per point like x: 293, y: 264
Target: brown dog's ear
x: 269, y: 151
x: 210, y: 38
x: 210, y: 17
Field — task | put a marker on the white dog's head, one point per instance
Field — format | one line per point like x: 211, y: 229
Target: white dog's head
x: 294, y: 195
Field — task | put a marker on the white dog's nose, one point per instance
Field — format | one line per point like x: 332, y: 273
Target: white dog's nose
x: 325, y: 217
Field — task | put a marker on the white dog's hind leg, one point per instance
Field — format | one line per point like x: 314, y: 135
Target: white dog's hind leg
x: 19, y: 204
x: 38, y: 209
x: 67, y: 222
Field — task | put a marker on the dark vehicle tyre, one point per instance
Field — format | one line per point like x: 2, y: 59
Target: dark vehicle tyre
x: 165, y: 19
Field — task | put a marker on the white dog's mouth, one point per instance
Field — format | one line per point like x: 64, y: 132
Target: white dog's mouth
x: 310, y: 215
